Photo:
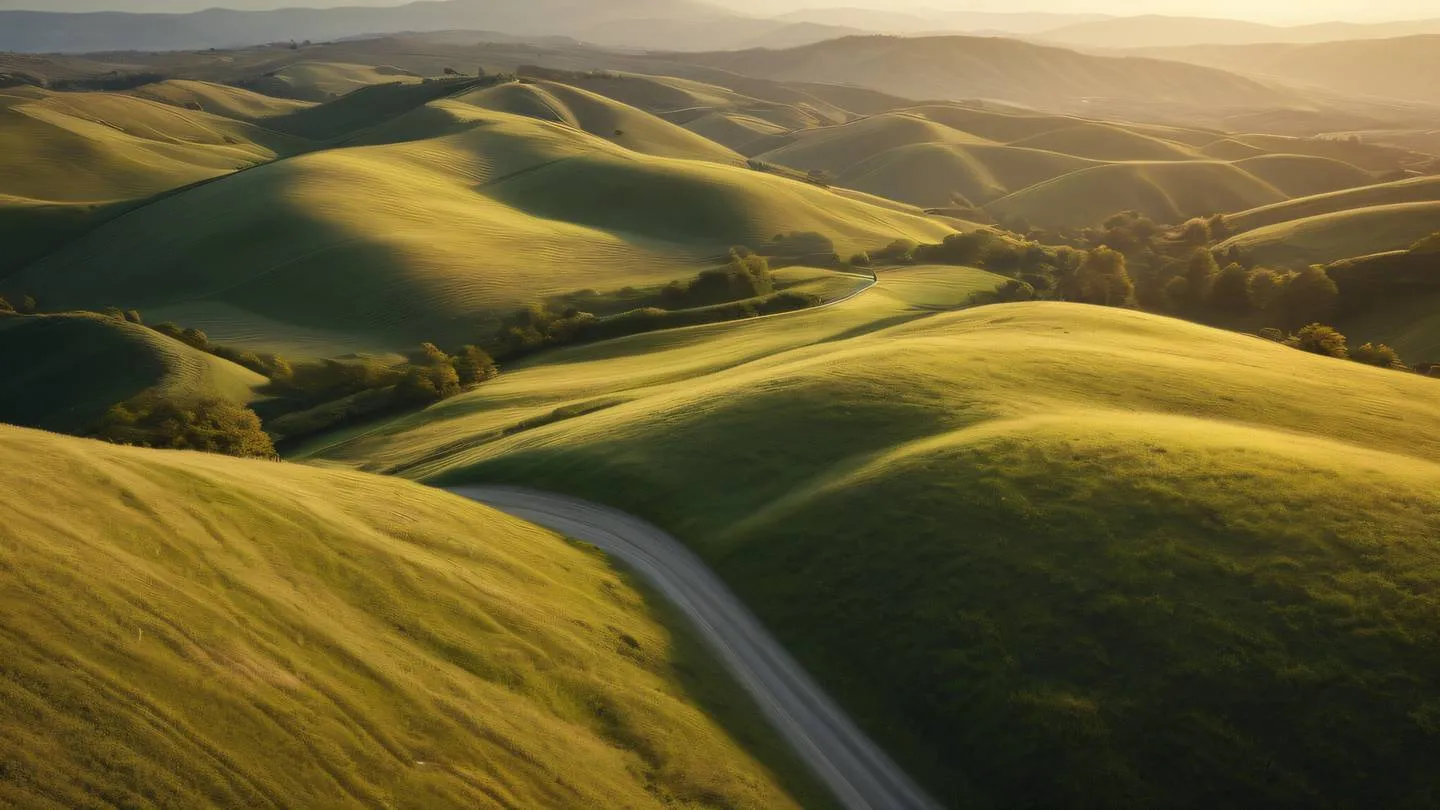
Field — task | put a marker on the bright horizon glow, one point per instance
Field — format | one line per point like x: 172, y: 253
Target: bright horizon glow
x: 1274, y: 12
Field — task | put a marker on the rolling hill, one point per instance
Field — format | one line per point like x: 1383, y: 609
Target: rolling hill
x: 1403, y: 67
x: 958, y: 68
x: 1175, y: 31
x: 1118, y: 540
x: 185, y: 630
x: 1325, y: 238
x: 441, y: 219
x: 1165, y: 192
x: 1414, y: 190
x: 67, y: 370
x: 101, y: 147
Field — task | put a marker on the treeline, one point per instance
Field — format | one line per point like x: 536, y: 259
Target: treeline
x: 301, y: 399
x: 743, y: 288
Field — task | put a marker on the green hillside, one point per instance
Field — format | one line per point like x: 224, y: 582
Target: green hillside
x: 1106, y: 540
x: 98, y: 147
x: 186, y: 630
x: 65, y: 371
x: 1325, y: 238
x: 1414, y: 190
x: 456, y: 215
x: 1165, y: 192
x: 218, y: 99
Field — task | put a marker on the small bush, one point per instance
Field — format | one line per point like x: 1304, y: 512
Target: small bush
x: 206, y: 425
x: 1377, y: 354
x: 1317, y: 338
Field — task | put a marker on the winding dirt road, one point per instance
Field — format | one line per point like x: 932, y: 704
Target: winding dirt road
x: 861, y: 776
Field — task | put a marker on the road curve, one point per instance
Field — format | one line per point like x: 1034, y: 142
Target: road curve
x: 860, y: 775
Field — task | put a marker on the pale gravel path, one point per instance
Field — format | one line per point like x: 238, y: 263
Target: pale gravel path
x: 860, y: 775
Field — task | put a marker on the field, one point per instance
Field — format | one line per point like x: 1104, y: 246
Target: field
x: 1046, y: 554
x: 442, y: 218
x: 188, y: 630
x: 67, y: 370
x: 1326, y: 238
x: 1057, y: 171
x: 1025, y: 530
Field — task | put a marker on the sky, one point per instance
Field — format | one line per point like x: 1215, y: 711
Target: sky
x: 1285, y: 12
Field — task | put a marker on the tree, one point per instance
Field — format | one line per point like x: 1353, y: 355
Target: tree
x: 1309, y: 297
x: 1317, y: 338
x: 6, y: 307
x: 474, y: 366
x: 1200, y: 272
x: 450, y: 71
x: 1377, y: 354
x: 1102, y: 279
x: 133, y: 316
x: 206, y: 425
x: 1230, y: 293
x: 1265, y: 288
x: 1014, y: 290
x: 1196, y: 233
x: 1219, y: 228
x: 28, y: 305
x: 861, y: 259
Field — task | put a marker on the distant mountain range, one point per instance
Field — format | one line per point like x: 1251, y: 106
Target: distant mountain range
x: 1405, y: 68
x: 1167, y: 32
x: 616, y: 23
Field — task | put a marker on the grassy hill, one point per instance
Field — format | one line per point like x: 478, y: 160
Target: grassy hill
x: 1165, y: 192
x: 218, y: 99
x: 452, y: 215
x: 65, y: 371
x: 1108, y: 539
x: 187, y: 630
x: 1415, y: 190
x: 1015, y: 72
x: 1400, y: 67
x: 1325, y: 238
x: 98, y: 147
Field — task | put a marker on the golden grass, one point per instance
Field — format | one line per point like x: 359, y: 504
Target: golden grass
x: 185, y: 630
x: 1326, y: 238
x: 67, y: 370
x: 457, y: 214
x: 98, y: 147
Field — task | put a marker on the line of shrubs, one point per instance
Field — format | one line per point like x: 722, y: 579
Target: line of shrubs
x: 743, y: 288
x: 301, y: 399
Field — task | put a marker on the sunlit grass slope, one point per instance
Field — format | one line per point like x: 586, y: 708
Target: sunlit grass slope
x: 1344, y: 234
x: 186, y: 630
x: 219, y: 99
x: 320, y: 81
x: 1175, y: 565
x: 454, y: 215
x: 1164, y: 191
x: 97, y: 147
x: 600, y: 116
x: 65, y: 371
x: 1305, y: 175
x: 1419, y: 189
x: 1106, y: 142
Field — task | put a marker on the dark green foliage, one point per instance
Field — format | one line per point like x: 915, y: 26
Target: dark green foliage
x: 860, y: 260
x: 1230, y: 292
x: 1195, y: 233
x: 1310, y: 296
x: 474, y: 365
x: 1103, y: 279
x: 133, y: 316
x: 207, y: 425
x: 901, y: 251
x: 422, y: 385
x: 1318, y: 338
x: 28, y: 305
x: 5, y: 306
x: 1265, y: 288
x: 1272, y: 334
x: 746, y: 275
x: 1010, y: 292
x: 1377, y: 354
x: 191, y: 337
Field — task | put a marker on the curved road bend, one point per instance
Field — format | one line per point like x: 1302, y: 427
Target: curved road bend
x: 853, y: 767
